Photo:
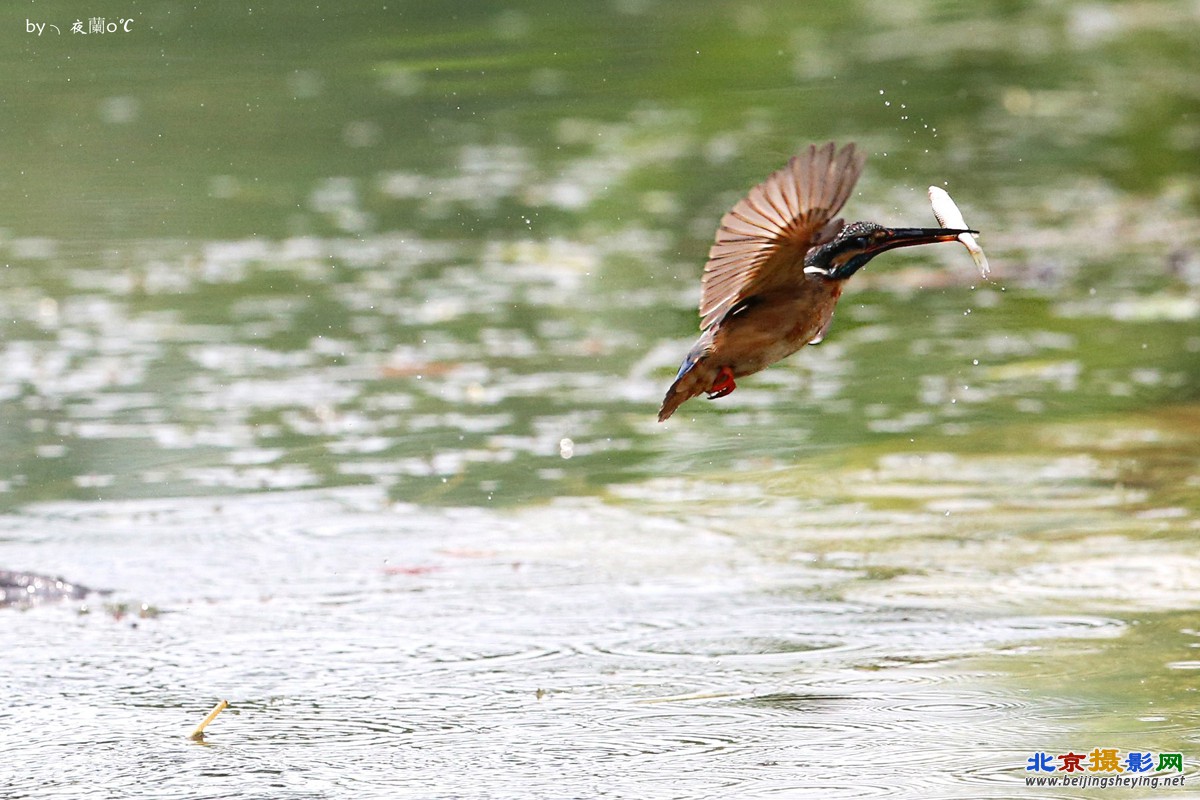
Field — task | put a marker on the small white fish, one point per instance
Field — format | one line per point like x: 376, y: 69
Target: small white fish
x: 948, y: 216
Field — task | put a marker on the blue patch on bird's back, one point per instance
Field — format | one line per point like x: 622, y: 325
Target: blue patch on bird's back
x: 699, y: 350
x: 687, y: 364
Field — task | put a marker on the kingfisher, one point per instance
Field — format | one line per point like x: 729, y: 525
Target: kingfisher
x: 777, y: 268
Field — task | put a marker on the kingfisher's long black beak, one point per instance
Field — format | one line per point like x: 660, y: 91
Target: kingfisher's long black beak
x: 859, y: 242
x: 907, y: 237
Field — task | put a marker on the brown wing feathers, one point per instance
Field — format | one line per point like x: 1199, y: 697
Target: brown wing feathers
x: 762, y: 241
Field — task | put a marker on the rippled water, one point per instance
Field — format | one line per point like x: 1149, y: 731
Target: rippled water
x: 333, y: 341
x: 377, y: 650
x: 832, y: 648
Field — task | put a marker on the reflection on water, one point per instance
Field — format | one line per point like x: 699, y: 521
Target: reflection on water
x: 333, y: 339
x: 307, y: 362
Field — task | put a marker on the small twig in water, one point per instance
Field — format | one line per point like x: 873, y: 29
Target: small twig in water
x: 198, y: 734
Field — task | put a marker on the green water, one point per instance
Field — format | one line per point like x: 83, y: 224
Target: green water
x: 295, y: 296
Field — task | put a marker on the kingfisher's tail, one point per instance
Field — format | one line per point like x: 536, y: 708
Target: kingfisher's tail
x: 695, y: 377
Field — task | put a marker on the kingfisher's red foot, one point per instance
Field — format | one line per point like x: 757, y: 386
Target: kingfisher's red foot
x: 723, y: 385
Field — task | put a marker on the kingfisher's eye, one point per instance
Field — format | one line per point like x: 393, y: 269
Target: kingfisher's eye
x: 861, y: 243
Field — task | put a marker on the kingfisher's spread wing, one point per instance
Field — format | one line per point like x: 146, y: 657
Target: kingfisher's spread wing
x: 762, y: 242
